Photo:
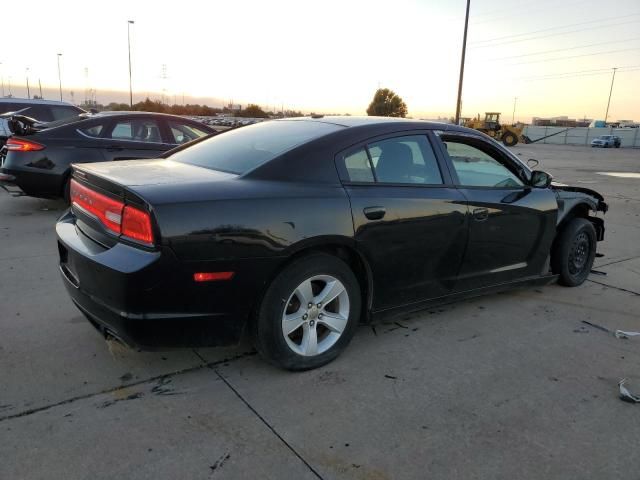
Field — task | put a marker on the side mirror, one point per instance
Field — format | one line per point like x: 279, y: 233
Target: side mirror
x: 540, y: 179
x: 533, y: 163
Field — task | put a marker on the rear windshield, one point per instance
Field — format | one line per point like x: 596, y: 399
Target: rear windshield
x: 239, y: 151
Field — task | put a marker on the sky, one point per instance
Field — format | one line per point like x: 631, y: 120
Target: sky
x: 555, y: 56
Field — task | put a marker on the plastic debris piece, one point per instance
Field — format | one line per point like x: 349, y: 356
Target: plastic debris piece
x: 626, y: 335
x: 595, y: 325
x: 625, y: 394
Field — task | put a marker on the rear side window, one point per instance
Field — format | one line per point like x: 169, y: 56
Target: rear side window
x: 358, y: 166
x: 409, y: 159
x: 60, y: 112
x: 183, y: 133
x: 241, y: 150
x: 138, y: 130
x: 93, y: 131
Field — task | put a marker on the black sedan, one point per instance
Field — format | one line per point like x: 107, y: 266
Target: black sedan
x: 38, y: 161
x: 298, y: 229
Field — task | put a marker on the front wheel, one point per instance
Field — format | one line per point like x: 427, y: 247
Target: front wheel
x: 509, y: 139
x: 573, y: 252
x: 309, y: 313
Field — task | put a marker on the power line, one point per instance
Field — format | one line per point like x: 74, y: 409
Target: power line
x: 580, y: 73
x: 575, y: 56
x: 563, y: 49
x: 516, y: 11
x: 594, y: 27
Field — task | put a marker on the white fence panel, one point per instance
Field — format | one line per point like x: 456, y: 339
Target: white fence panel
x: 630, y: 137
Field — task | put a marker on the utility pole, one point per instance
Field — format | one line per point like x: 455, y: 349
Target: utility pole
x: 610, y: 92
x: 59, y: 76
x: 40, y: 85
x: 129, y: 23
x: 28, y: 91
x: 513, y: 115
x: 2, y: 78
x: 464, y: 51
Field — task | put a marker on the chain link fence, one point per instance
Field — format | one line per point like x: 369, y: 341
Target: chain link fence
x: 630, y: 137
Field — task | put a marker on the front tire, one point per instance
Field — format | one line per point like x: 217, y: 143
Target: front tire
x: 309, y: 313
x: 509, y: 139
x: 574, y: 252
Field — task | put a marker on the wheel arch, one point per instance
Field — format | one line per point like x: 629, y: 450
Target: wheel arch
x: 581, y: 209
x: 341, y: 247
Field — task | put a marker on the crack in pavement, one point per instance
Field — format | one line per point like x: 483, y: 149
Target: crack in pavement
x: 261, y: 418
x: 618, y: 261
x: 614, y: 287
x: 67, y: 401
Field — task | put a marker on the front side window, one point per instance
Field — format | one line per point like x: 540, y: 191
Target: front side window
x: 62, y: 112
x: 183, y: 133
x: 408, y: 159
x: 142, y: 130
x: 475, y: 168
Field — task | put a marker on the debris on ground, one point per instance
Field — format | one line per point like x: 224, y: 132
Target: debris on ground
x: 625, y: 394
x: 626, y: 335
x: 595, y: 325
x: 598, y: 272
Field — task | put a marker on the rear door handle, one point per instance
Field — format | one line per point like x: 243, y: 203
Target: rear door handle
x: 374, y: 213
x: 480, y: 214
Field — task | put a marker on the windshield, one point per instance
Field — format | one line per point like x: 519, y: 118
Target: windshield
x: 239, y: 151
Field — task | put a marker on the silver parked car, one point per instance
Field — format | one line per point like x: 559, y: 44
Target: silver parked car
x: 606, y: 141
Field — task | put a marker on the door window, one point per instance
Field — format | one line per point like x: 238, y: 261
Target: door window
x: 183, y: 133
x: 408, y: 159
x: 92, y: 131
x: 475, y: 168
x: 138, y: 130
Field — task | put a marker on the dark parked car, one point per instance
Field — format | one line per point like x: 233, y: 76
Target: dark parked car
x: 39, y: 161
x: 299, y: 229
x: 41, y: 110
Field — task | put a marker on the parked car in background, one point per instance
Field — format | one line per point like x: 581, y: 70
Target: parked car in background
x: 41, y: 110
x: 606, y: 141
x: 39, y: 162
x: 299, y: 229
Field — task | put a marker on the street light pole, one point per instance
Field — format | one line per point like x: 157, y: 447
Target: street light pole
x: 28, y: 91
x: 2, y: 77
x: 59, y: 76
x: 464, y: 51
x: 513, y: 115
x: 610, y: 92
x: 129, y: 23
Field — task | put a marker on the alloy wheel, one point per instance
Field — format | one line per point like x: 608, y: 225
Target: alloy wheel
x: 316, y: 315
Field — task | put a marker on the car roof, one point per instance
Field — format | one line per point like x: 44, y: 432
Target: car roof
x: 357, y: 121
x: 128, y: 113
x: 35, y: 101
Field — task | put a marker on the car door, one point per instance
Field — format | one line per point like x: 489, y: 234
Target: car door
x: 410, y: 222
x: 512, y: 224
x: 134, y: 137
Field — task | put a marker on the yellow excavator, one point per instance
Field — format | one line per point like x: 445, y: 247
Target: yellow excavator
x: 510, y: 135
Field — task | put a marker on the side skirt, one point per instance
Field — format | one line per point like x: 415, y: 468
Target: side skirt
x: 454, y: 297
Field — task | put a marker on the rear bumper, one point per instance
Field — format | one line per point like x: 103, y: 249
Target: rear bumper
x: 33, y: 181
x: 148, y: 299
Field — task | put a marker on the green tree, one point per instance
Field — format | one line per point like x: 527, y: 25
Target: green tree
x: 254, y: 111
x: 386, y: 103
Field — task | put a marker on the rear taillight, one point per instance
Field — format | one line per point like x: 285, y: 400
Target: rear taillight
x: 136, y: 224
x: 117, y: 217
x: 19, y: 145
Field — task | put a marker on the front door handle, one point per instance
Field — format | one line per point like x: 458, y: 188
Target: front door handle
x: 374, y: 213
x: 480, y: 214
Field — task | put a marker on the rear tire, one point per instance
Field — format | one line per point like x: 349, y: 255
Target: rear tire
x: 573, y: 252
x: 509, y: 139
x: 292, y: 335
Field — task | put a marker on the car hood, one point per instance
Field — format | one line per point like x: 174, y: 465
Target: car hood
x: 134, y: 173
